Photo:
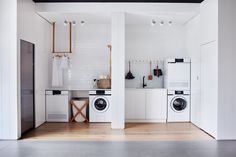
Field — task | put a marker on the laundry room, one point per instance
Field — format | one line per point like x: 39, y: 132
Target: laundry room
x: 133, y: 75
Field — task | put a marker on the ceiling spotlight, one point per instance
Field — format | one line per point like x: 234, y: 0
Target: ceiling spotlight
x: 162, y: 23
x: 170, y: 23
x: 65, y: 23
x: 73, y: 23
x: 153, y: 22
x: 82, y: 23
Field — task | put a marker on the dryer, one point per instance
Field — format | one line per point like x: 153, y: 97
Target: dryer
x: 100, y: 106
x: 178, y: 106
x: 177, y: 73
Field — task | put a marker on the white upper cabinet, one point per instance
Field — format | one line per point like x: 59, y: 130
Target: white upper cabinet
x: 209, y: 21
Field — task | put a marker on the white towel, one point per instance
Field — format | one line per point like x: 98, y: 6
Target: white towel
x: 64, y: 63
x: 56, y: 72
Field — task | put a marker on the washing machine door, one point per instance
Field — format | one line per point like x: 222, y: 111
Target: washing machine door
x: 179, y: 104
x: 100, y: 104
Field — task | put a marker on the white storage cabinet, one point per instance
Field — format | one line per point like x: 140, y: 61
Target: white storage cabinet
x: 58, y: 108
x: 146, y: 105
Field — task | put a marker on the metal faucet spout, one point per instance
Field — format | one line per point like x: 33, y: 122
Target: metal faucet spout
x: 144, y: 84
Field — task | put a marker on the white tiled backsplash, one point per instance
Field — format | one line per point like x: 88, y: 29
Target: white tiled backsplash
x: 140, y: 68
x: 90, y: 57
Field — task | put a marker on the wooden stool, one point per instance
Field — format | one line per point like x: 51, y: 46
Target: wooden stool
x: 79, y: 110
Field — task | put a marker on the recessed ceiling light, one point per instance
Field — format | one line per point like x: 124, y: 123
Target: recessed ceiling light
x: 65, y: 23
x: 82, y: 23
x: 73, y: 23
x: 162, y: 23
x: 170, y: 23
x: 153, y: 22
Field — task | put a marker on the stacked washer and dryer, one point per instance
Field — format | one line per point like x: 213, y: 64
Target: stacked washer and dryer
x: 177, y: 81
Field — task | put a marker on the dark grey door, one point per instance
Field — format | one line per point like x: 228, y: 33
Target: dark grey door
x: 27, y: 86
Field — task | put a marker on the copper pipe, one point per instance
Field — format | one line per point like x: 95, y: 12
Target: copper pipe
x: 70, y: 37
x: 53, y: 37
x: 110, y: 66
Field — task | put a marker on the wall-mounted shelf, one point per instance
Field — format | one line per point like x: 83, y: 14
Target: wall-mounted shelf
x: 53, y: 39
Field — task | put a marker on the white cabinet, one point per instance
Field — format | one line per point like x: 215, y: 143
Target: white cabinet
x: 146, y: 105
x: 57, y: 106
x: 156, y: 104
x: 208, y: 21
x: 209, y: 88
x: 135, y: 104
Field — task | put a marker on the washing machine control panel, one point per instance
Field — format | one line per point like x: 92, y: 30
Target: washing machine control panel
x: 100, y: 92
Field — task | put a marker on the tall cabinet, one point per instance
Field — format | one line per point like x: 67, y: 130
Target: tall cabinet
x: 209, y: 66
x: 209, y: 87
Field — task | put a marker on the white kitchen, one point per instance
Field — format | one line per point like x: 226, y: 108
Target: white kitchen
x: 120, y: 72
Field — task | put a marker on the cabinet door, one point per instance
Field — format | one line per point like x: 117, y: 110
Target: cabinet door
x: 209, y: 86
x: 156, y: 104
x: 135, y: 105
x: 129, y: 104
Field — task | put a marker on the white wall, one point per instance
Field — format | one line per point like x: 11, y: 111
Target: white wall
x: 90, y: 54
x: 33, y: 28
x: 227, y: 73
x: 8, y: 69
x: 146, y: 42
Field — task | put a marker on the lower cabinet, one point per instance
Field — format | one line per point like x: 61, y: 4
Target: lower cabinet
x: 146, y: 105
x: 135, y: 105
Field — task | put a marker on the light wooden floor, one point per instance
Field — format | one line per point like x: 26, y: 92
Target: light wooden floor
x: 103, y: 132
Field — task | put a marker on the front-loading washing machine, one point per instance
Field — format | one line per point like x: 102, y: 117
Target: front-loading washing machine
x: 100, y: 106
x: 178, y: 106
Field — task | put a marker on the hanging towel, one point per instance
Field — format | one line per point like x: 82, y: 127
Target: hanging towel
x: 64, y: 66
x: 56, y: 72
x: 64, y: 63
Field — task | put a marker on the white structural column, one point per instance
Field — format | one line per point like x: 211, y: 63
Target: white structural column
x: 118, y: 68
x: 8, y: 69
x: 227, y: 72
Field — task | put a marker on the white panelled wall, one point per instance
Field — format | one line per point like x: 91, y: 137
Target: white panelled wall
x: 8, y: 70
x: 226, y: 73
x: 213, y: 61
x: 34, y: 29
x: 202, y: 37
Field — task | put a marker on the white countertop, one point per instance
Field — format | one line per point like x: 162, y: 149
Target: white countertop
x: 73, y: 89
x: 89, y: 89
x: 147, y: 88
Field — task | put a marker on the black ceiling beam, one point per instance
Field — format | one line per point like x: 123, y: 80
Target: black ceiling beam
x: 116, y: 1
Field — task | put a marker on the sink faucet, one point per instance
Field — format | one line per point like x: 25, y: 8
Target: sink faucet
x: 144, y: 84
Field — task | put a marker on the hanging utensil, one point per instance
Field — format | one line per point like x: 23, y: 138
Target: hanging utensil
x: 155, y: 71
x: 159, y: 71
x: 150, y: 75
x: 129, y: 75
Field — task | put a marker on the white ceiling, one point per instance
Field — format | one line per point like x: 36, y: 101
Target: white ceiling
x: 102, y: 18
